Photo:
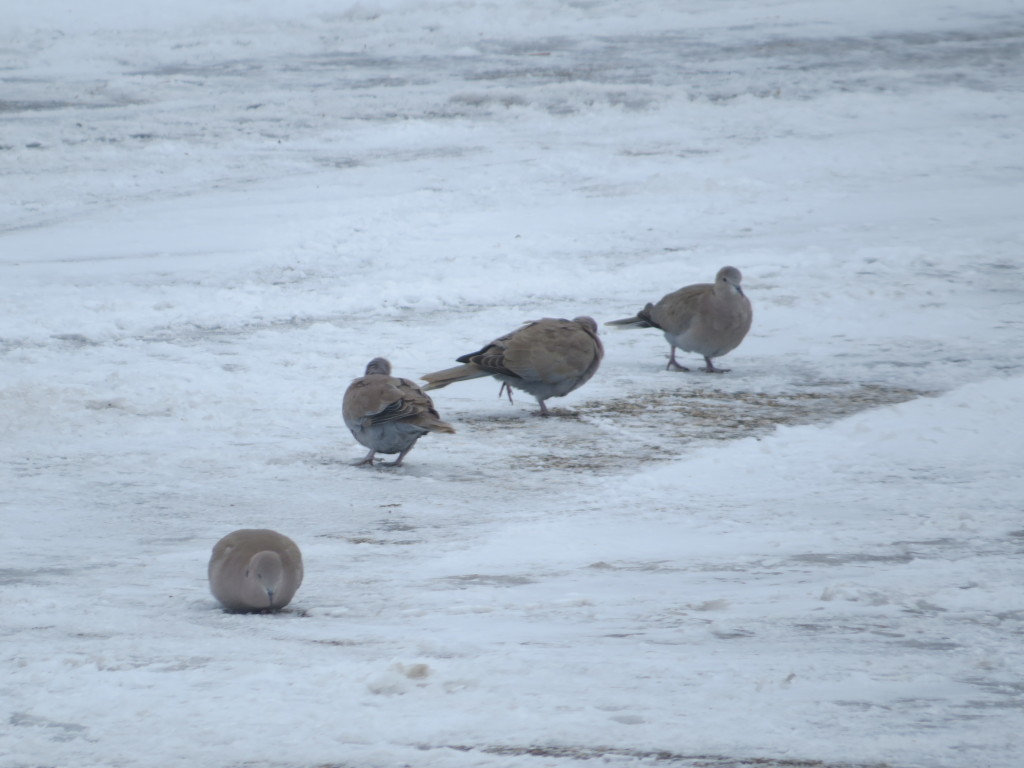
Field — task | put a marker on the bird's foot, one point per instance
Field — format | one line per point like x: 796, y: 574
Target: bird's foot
x: 397, y: 462
x: 674, y: 366
x: 710, y: 368
x: 505, y: 388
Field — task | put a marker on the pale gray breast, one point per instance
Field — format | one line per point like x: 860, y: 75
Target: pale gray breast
x: 719, y: 319
x: 389, y: 437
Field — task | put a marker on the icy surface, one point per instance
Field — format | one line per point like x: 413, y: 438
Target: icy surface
x: 214, y: 213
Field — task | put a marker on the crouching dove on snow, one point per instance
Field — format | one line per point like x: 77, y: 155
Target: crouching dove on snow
x: 709, y: 319
x: 388, y: 414
x: 255, y: 570
x: 549, y: 357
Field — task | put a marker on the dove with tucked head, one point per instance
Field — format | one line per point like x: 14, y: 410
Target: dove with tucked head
x: 388, y: 414
x: 255, y: 569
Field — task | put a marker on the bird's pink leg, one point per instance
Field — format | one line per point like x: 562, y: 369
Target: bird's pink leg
x: 398, y: 462
x: 673, y: 364
x: 710, y: 368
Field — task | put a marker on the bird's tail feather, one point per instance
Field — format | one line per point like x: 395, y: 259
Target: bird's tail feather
x: 439, y: 379
x: 630, y: 322
x: 441, y: 426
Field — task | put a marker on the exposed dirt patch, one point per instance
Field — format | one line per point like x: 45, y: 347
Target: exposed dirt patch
x: 658, y: 426
x: 721, y: 415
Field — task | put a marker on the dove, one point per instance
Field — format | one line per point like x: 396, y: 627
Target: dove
x: 710, y: 319
x: 388, y: 414
x: 547, y: 358
x: 254, y: 570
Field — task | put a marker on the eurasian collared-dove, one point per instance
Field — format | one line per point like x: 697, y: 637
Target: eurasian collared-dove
x: 549, y: 357
x: 388, y: 414
x: 710, y: 319
x: 255, y: 569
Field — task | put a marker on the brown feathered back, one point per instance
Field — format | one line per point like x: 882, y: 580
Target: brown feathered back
x: 388, y: 414
x: 549, y: 357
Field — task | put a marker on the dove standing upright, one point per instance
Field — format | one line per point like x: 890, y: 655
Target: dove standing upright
x: 710, y: 319
x: 547, y: 358
x: 388, y: 414
x: 254, y: 569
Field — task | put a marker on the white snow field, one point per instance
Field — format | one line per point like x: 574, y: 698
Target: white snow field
x: 213, y: 214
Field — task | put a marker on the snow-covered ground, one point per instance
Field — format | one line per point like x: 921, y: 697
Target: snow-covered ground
x: 213, y: 213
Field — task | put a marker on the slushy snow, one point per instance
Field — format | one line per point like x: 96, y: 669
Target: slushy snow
x: 213, y: 214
